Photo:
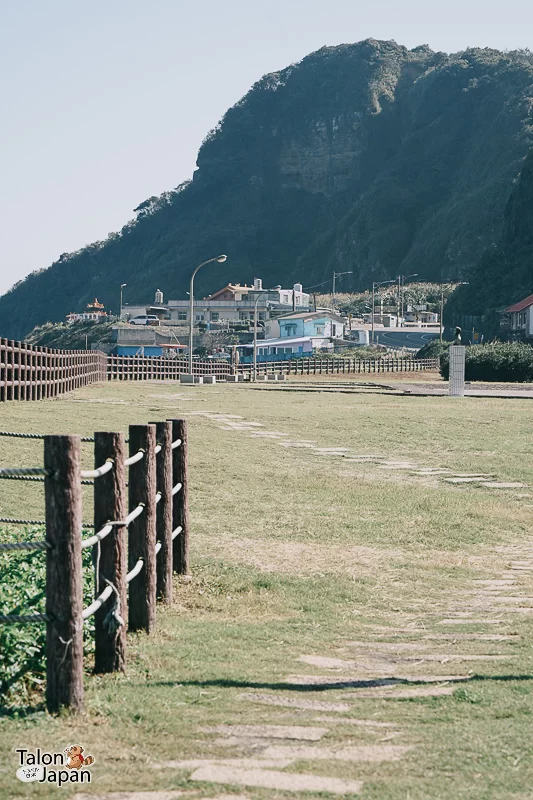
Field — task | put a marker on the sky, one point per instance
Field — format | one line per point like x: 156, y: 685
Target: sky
x: 105, y: 103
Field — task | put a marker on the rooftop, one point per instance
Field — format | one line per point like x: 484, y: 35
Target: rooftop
x: 523, y: 304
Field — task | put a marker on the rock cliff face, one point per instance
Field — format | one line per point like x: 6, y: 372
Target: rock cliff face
x: 365, y: 157
x: 504, y: 274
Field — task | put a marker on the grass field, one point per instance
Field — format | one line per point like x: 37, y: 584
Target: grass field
x: 343, y: 597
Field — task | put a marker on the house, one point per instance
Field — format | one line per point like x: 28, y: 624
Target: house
x: 520, y: 316
x: 315, y: 324
x: 283, y: 349
x: 235, y: 303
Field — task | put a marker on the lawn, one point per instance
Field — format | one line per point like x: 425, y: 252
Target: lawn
x: 341, y: 596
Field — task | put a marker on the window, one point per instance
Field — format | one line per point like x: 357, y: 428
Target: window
x: 214, y: 316
x: 243, y: 315
x: 182, y: 315
x: 298, y: 300
x: 319, y: 329
x: 290, y: 330
x: 262, y: 316
x: 199, y: 317
x: 285, y: 299
x: 245, y: 297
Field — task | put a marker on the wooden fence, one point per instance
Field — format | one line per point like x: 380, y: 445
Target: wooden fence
x: 34, y: 373
x: 134, y: 554
x: 149, y: 368
x: 336, y: 366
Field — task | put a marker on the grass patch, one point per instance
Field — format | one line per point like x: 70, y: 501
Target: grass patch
x: 297, y: 554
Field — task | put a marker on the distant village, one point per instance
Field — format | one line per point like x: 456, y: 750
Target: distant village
x: 284, y: 323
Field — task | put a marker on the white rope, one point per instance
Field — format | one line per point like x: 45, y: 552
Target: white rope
x: 92, y: 540
x: 134, y: 459
x: 98, y: 603
x: 158, y: 448
x: 176, y: 488
x: 99, y: 471
x: 176, y: 444
x: 158, y: 547
x: 134, y: 514
x: 158, y: 497
x: 135, y: 571
x: 177, y: 532
x: 113, y: 620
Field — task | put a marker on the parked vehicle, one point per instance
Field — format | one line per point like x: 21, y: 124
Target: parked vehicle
x: 145, y: 319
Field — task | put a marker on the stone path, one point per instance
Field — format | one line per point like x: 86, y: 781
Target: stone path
x: 392, y: 664
x: 236, y: 423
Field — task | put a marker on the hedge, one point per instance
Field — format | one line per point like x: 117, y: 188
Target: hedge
x: 506, y: 363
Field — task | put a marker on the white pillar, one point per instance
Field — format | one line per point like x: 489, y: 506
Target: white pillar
x: 457, y: 370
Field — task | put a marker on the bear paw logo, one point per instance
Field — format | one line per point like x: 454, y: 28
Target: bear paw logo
x: 76, y: 759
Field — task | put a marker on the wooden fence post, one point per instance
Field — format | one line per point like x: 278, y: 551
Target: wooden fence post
x: 142, y: 531
x: 64, y: 588
x: 164, y: 511
x: 110, y: 504
x: 180, y: 506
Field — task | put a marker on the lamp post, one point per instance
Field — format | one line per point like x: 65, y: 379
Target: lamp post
x: 337, y: 275
x: 254, y: 372
x: 374, y: 284
x: 122, y: 285
x: 220, y: 260
x: 401, y: 284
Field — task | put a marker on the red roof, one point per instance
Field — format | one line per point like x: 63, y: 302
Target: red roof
x: 521, y: 305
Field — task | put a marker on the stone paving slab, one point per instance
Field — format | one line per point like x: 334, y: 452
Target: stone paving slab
x: 503, y: 485
x: 271, y: 779
x: 310, y: 734
x: 160, y: 795
x: 404, y: 693
x: 294, y: 702
x: 370, y: 752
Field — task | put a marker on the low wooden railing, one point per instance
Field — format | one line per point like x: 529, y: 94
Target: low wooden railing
x: 336, y: 366
x: 35, y: 373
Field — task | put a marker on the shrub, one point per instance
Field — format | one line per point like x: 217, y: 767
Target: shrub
x: 433, y: 349
x: 22, y: 644
x: 508, y: 363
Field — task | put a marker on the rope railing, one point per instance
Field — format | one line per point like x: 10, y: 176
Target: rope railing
x: 98, y: 603
x: 146, y: 538
x: 44, y: 545
x: 134, y: 459
x: 135, y: 571
x: 24, y: 618
x: 99, y: 471
x: 24, y: 472
x: 21, y: 435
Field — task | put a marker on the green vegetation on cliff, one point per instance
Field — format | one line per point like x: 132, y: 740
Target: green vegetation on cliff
x: 368, y: 157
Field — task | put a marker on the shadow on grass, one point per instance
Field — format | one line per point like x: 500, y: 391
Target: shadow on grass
x: 229, y: 683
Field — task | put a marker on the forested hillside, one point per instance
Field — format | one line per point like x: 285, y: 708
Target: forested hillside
x: 365, y: 157
x: 504, y: 273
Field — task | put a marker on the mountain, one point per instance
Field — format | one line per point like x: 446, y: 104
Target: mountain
x: 504, y: 273
x: 369, y: 158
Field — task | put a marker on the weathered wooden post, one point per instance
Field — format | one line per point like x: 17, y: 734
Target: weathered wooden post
x: 142, y: 531
x: 164, y: 511
x: 110, y: 505
x: 64, y: 589
x: 180, y: 506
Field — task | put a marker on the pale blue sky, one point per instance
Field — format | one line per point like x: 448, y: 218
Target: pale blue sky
x: 105, y: 103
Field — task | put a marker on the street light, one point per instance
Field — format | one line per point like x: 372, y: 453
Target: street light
x: 374, y: 285
x: 254, y: 373
x: 220, y: 260
x: 122, y: 285
x: 337, y: 275
x: 401, y: 284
